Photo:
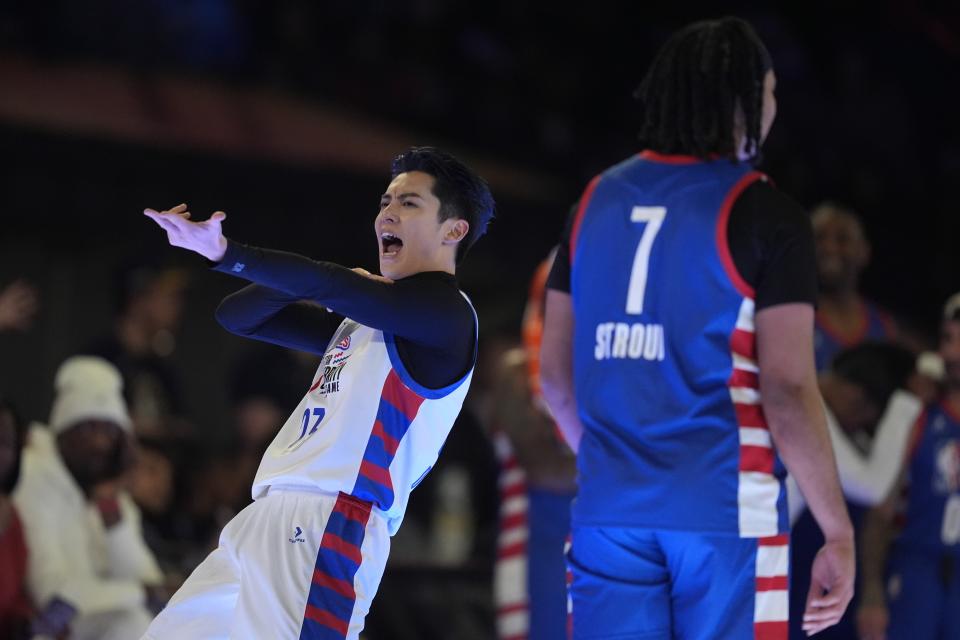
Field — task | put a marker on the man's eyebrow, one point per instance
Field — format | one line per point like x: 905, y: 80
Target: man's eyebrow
x: 409, y: 194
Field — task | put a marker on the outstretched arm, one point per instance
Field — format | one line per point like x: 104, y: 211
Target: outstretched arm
x: 409, y: 308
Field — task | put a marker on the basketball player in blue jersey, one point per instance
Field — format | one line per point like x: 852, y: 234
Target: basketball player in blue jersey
x: 305, y: 559
x: 692, y: 284
x: 912, y: 590
x: 843, y: 319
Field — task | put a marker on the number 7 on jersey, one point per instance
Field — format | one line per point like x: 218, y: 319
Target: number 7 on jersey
x: 653, y: 216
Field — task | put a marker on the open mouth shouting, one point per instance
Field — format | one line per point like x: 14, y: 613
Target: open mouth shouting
x: 390, y: 245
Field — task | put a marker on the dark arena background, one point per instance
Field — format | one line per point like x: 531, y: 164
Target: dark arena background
x: 286, y: 115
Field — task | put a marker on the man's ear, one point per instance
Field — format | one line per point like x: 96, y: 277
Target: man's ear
x: 456, y: 229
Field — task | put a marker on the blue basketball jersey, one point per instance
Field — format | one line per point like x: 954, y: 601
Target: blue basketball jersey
x: 933, y: 500
x: 665, y: 362
x: 827, y: 343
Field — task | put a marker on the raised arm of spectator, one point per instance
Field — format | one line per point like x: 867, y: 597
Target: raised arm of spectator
x: 866, y: 479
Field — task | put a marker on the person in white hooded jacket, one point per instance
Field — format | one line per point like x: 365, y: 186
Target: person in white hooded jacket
x: 87, y: 554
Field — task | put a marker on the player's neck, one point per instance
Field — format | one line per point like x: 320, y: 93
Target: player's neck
x: 841, y: 302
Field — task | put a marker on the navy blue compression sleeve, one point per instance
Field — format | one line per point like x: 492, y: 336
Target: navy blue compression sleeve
x: 272, y: 316
x: 433, y: 323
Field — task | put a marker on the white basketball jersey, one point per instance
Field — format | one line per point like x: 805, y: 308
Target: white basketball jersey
x: 365, y: 427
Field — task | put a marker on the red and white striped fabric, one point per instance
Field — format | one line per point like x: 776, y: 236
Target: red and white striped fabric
x: 510, y: 573
x: 758, y: 488
x: 771, y: 608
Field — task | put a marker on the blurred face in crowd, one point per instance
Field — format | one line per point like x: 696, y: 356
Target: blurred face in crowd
x: 950, y: 352
x: 93, y: 451
x: 842, y: 249
x: 161, y: 304
x: 151, y: 481
x: 258, y: 420
x: 411, y: 236
x: 8, y: 444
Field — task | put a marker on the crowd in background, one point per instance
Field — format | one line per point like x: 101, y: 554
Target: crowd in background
x: 123, y: 472
x: 867, y: 116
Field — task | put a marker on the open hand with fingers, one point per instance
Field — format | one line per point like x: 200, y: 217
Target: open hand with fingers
x: 205, y: 238
x: 831, y: 586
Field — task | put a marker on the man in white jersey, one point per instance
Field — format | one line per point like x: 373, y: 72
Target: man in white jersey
x: 305, y: 559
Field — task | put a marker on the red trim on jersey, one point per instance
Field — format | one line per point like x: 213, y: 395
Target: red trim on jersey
x: 744, y: 343
x: 753, y: 458
x: 347, y: 549
x: 514, y: 490
x: 327, y: 619
x: 507, y: 609
x: 400, y: 396
x: 772, y: 583
x: 750, y: 415
x: 781, y: 540
x: 376, y: 473
x: 390, y: 444
x: 511, y: 550
x: 578, y: 219
x: 741, y: 378
x: 353, y: 508
x: 336, y: 585
x: 669, y: 158
x: 723, y: 246
x: 770, y: 630
x: 513, y: 521
x: 834, y: 332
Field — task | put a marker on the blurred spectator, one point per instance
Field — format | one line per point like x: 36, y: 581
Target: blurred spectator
x: 15, y: 609
x: 142, y: 341
x: 844, y: 319
x: 912, y: 589
x: 869, y: 417
x: 537, y: 483
x: 18, y: 305
x: 262, y: 385
x: 88, y: 560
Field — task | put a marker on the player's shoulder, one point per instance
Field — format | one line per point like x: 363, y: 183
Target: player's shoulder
x: 763, y: 202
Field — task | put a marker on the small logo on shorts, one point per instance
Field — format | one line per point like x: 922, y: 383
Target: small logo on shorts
x: 296, y: 536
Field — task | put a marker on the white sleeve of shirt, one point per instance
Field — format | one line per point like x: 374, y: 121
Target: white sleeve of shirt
x: 129, y: 558
x: 867, y: 479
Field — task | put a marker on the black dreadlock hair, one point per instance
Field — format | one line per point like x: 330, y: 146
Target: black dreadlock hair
x: 691, y: 92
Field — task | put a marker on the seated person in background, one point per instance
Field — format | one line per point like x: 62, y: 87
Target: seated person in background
x: 844, y: 319
x: 869, y: 417
x: 15, y: 609
x: 912, y: 589
x: 87, y: 553
x: 141, y: 345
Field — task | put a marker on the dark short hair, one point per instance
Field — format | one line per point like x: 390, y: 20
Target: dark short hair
x: 691, y: 91
x: 461, y: 192
x: 19, y: 439
x: 878, y: 368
